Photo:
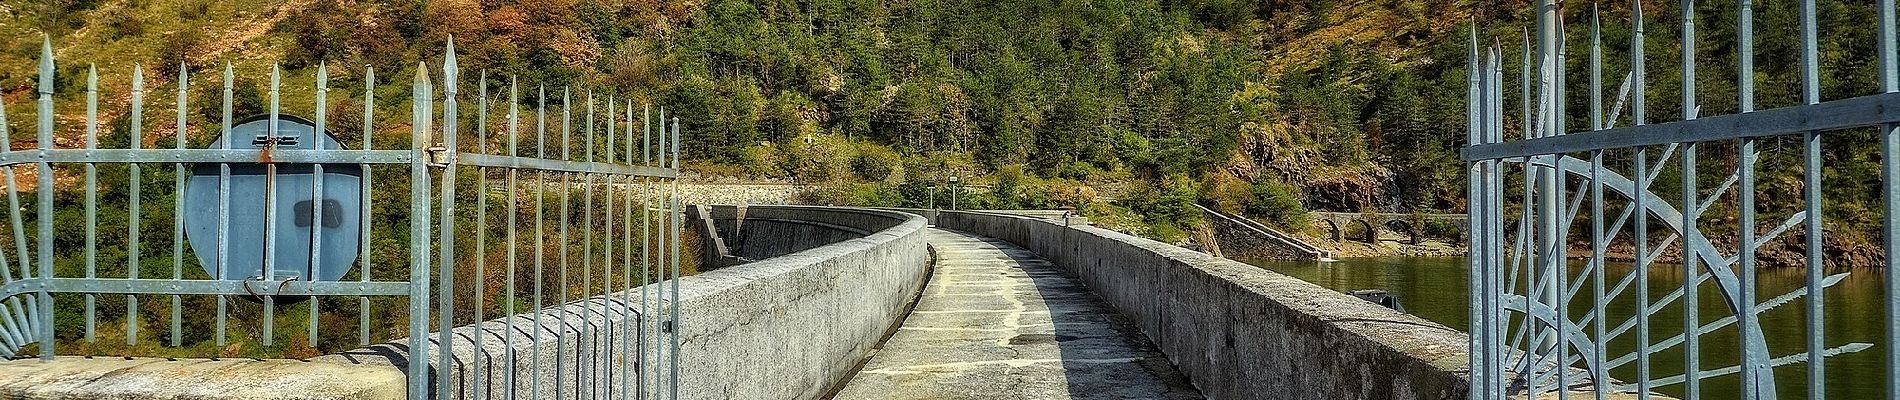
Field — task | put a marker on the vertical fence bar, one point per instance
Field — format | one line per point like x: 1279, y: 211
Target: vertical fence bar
x: 540, y: 237
x: 1752, y: 379
x: 607, y: 262
x: 1811, y: 190
x: 224, y: 205
x: 1692, y: 329
x: 1494, y: 232
x: 92, y: 196
x: 270, y: 206
x: 663, y: 205
x: 318, y: 135
x: 630, y: 358
x: 1890, y: 189
x: 419, y: 235
x: 567, y: 187
x: 178, y: 210
x: 678, y: 216
x: 1472, y: 208
x: 1548, y: 263
x: 445, y: 311
x: 133, y: 216
x: 586, y: 387
x: 646, y: 253
x: 45, y: 192
x: 481, y: 235
x: 369, y: 121
x: 514, y: 115
x: 1600, y: 376
x: 1640, y: 224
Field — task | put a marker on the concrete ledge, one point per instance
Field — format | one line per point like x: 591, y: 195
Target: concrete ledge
x: 157, y: 378
x: 1242, y: 332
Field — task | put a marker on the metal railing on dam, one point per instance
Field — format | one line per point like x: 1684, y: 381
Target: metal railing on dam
x: 274, y: 237
x: 1545, y: 326
x: 789, y: 325
x: 1238, y: 331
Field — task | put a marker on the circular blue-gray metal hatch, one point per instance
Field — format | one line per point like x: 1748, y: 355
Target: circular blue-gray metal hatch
x: 297, y: 210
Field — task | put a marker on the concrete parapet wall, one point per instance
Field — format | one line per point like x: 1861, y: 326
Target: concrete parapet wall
x: 761, y: 232
x: 1242, y: 332
x: 789, y: 327
x: 786, y: 327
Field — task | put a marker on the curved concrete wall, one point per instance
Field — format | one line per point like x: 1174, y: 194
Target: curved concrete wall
x: 761, y: 232
x: 789, y: 327
x: 1242, y: 332
x: 786, y: 327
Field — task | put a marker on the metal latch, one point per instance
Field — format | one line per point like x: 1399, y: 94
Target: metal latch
x: 438, y: 155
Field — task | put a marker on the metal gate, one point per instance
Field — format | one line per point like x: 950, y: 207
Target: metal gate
x: 605, y: 223
x: 1541, y: 325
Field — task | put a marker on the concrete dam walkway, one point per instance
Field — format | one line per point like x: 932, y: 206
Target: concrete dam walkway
x: 997, y: 322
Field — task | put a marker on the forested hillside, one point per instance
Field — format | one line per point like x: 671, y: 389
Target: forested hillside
x: 1273, y: 107
x: 1266, y: 107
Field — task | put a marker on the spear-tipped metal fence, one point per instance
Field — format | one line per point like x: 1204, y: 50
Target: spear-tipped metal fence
x: 1541, y: 321
x: 621, y: 239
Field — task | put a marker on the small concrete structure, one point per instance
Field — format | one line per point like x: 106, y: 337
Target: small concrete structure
x: 1242, y: 332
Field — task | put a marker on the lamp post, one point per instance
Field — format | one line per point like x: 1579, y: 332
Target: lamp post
x: 932, y: 187
x: 954, y: 188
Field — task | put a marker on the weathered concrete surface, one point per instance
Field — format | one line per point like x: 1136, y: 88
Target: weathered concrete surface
x: 155, y: 378
x: 1242, y: 332
x: 996, y: 322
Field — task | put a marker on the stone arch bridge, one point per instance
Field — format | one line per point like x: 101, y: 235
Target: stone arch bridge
x: 1336, y: 223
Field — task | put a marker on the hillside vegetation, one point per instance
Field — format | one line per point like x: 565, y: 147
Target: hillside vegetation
x: 1129, y: 110
x: 1270, y: 107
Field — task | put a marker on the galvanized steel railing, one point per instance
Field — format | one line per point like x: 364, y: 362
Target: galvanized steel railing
x: 1542, y: 326
x: 625, y: 185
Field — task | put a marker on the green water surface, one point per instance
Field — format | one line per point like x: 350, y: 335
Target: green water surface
x: 1434, y: 288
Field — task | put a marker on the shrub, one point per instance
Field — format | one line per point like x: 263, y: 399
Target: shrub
x: 875, y: 163
x: 761, y: 161
x: 1442, y: 229
x: 1278, y: 204
x: 1224, y: 192
x: 177, y: 49
x: 317, y: 33
x: 822, y: 159
x: 1165, y: 206
x: 1080, y: 171
x: 122, y: 23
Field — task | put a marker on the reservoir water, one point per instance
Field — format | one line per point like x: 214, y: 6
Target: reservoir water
x: 1434, y: 288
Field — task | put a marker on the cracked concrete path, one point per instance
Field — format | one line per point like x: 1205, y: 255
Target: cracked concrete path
x: 998, y: 322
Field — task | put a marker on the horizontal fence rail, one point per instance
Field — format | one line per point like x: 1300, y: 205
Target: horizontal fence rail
x: 1553, y: 316
x: 226, y: 238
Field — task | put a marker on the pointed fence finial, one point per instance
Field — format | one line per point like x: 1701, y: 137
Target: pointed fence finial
x: 450, y: 71
x: 46, y: 64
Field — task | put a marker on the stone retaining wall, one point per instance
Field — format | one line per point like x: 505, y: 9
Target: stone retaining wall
x: 1242, y: 332
x: 1239, y: 237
